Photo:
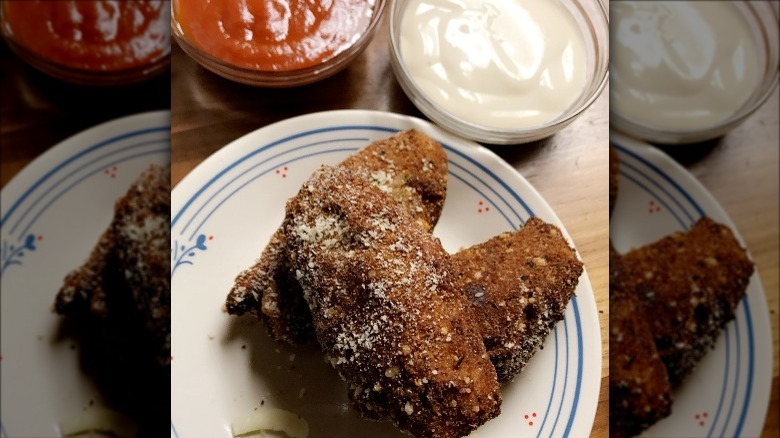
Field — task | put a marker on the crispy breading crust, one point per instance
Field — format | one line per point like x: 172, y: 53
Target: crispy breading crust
x: 691, y: 282
x: 409, y: 166
x: 639, y: 389
x: 386, y: 310
x: 271, y: 282
x: 519, y: 284
x: 118, y: 302
x: 83, y: 288
x: 142, y: 231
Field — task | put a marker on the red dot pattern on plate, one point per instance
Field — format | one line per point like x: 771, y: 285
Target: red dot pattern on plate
x: 40, y: 237
x: 653, y: 207
x: 701, y: 418
x: 530, y: 418
x: 282, y: 172
x: 211, y: 237
x: 481, y: 207
x: 110, y: 171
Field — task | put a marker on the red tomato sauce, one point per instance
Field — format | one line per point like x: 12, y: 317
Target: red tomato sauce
x: 95, y: 35
x: 273, y: 34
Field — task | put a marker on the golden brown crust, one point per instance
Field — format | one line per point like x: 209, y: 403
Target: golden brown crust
x: 519, y: 284
x: 386, y: 310
x: 409, y: 166
x: 271, y: 282
x: 412, y: 168
x: 83, y: 288
x: 118, y: 303
x: 639, y: 389
x: 134, y: 250
x: 142, y: 231
x: 691, y: 282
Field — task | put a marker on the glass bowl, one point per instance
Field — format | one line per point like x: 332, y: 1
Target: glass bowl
x: 83, y: 76
x: 763, y: 19
x: 277, y: 78
x: 592, y: 19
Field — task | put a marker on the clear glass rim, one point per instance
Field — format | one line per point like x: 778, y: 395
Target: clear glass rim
x: 278, y: 78
x: 764, y: 90
x: 494, y: 135
x: 82, y: 76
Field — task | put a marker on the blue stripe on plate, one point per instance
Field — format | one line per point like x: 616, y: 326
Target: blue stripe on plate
x: 668, y: 208
x: 749, y: 385
x: 745, y: 306
x: 498, y: 180
x: 736, y: 378
x: 63, y: 179
x: 227, y: 169
x: 579, y: 370
x: 552, y: 391
x: 723, y: 387
x: 482, y: 194
x: 663, y: 190
x: 230, y: 195
x: 492, y: 190
x: 80, y: 180
x: 663, y: 175
x: 565, y: 377
x: 264, y: 162
x: 76, y: 156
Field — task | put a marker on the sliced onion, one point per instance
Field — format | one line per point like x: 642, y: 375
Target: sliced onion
x: 271, y: 419
x: 99, y: 421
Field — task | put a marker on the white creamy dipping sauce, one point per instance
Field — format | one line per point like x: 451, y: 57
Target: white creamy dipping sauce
x: 680, y: 65
x: 504, y: 64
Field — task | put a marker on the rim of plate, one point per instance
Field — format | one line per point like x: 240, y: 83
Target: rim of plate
x: 238, y: 164
x: 61, y: 158
x: 64, y: 166
x: 680, y: 193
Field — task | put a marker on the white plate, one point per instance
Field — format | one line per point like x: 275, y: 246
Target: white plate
x: 225, y: 211
x: 53, y: 213
x: 728, y: 393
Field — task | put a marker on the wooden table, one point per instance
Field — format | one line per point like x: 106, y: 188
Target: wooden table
x: 568, y: 169
x: 37, y: 112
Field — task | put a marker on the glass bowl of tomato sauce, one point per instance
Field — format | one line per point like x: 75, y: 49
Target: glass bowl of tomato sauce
x: 92, y: 42
x: 275, y: 43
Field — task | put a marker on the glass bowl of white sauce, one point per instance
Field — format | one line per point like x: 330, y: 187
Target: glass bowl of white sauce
x: 500, y: 71
x: 683, y: 72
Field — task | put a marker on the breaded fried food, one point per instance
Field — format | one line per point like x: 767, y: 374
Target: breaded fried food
x: 143, y: 242
x: 272, y: 281
x: 614, y: 169
x: 691, y: 282
x: 118, y: 301
x: 639, y: 389
x: 83, y: 289
x: 519, y: 284
x: 409, y: 166
x: 386, y: 310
